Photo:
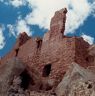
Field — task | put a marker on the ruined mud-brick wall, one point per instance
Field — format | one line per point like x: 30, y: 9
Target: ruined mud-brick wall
x: 81, y: 52
x: 22, y: 39
x: 55, y: 50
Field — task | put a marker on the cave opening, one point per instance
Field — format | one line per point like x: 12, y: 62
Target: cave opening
x: 46, y: 70
x: 26, y: 80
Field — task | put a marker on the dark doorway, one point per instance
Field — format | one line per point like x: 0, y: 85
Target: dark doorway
x: 26, y: 79
x: 16, y: 51
x: 46, y: 70
x: 90, y: 59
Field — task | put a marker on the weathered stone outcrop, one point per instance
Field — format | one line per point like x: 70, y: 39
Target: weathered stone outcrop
x: 77, y: 82
x: 7, y: 72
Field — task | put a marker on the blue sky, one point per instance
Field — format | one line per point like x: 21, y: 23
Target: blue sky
x: 33, y: 17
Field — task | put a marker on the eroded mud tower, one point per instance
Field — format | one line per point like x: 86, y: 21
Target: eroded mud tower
x: 52, y: 55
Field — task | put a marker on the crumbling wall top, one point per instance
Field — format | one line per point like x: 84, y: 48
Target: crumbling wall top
x: 57, y: 25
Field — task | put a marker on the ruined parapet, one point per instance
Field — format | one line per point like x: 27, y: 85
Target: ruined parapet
x: 23, y: 37
x: 14, y: 52
x: 81, y: 52
x: 21, y: 40
x: 57, y: 25
x: 91, y: 55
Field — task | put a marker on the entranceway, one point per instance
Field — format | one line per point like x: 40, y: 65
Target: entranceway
x: 46, y: 70
x: 26, y: 79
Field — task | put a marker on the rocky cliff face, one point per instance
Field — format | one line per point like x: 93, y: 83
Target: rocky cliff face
x: 46, y: 63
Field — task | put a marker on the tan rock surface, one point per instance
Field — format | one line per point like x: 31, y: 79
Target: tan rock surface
x: 77, y: 82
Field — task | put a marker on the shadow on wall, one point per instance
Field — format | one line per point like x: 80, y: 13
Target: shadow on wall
x: 16, y: 52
